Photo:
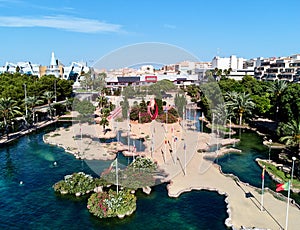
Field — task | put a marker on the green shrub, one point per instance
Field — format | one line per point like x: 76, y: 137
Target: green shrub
x: 78, y: 183
x: 111, y: 204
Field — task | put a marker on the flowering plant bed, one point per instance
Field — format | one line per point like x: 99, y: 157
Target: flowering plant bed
x: 112, y: 204
x: 78, y: 184
x: 140, y: 173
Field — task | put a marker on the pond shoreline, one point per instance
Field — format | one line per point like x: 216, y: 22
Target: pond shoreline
x: 16, y: 135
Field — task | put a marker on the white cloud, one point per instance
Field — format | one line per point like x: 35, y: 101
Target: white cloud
x: 61, y: 22
x: 169, y: 26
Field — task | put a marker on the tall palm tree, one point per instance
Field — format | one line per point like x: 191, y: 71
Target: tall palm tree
x: 8, y: 109
x: 292, y: 129
x: 102, y: 101
x: 240, y: 103
x: 48, y: 96
x: 278, y: 88
x: 33, y: 101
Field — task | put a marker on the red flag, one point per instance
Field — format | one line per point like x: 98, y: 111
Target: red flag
x: 282, y: 187
x: 263, y: 173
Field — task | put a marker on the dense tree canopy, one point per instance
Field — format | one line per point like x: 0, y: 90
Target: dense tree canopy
x: 13, y: 86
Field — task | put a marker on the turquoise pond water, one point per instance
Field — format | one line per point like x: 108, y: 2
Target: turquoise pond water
x: 244, y: 165
x: 34, y: 205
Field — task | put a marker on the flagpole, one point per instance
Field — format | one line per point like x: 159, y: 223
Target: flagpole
x: 117, y: 179
x: 202, y: 114
x: 184, y: 146
x: 134, y: 149
x: 287, y: 206
x: 229, y: 127
x: 152, y: 144
x: 172, y: 138
x: 175, y: 140
x: 262, y: 188
x: 195, y: 120
x: 128, y: 132
x: 165, y: 153
x: 289, y: 193
x: 167, y: 117
x: 80, y: 138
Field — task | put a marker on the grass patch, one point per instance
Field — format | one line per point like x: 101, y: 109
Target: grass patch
x: 284, y: 177
x: 55, y: 135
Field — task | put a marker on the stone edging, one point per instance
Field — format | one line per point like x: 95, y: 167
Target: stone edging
x: 228, y: 221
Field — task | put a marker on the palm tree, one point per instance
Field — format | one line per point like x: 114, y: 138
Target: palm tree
x: 241, y: 103
x: 102, y: 101
x: 221, y: 113
x: 292, y: 129
x: 48, y: 96
x: 278, y: 88
x: 33, y: 101
x: 227, y: 72
x: 104, y: 122
x: 231, y: 96
x: 8, y: 109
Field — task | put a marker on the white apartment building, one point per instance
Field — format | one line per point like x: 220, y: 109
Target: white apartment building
x: 282, y: 68
x: 21, y: 67
x: 73, y: 71
x: 55, y: 68
x: 239, y: 67
x: 228, y: 62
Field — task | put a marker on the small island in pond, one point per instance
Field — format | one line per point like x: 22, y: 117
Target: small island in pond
x: 107, y: 200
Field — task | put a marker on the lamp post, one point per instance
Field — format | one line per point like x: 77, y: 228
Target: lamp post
x: 270, y: 143
x: 293, y: 158
x: 289, y: 192
x: 25, y: 94
x: 55, y: 97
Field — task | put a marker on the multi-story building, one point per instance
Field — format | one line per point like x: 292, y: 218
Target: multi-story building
x: 21, y: 67
x: 73, y: 71
x: 146, y: 75
x: 282, y: 68
x: 231, y: 62
x: 55, y: 68
x: 236, y: 67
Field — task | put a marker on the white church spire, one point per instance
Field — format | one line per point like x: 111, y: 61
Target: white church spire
x: 53, y: 61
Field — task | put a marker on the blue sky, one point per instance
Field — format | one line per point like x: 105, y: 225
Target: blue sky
x: 86, y: 30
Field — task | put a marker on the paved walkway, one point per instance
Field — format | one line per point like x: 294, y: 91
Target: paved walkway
x: 13, y: 136
x: 243, y: 200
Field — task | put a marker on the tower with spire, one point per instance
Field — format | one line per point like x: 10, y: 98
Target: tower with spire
x: 53, y: 69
